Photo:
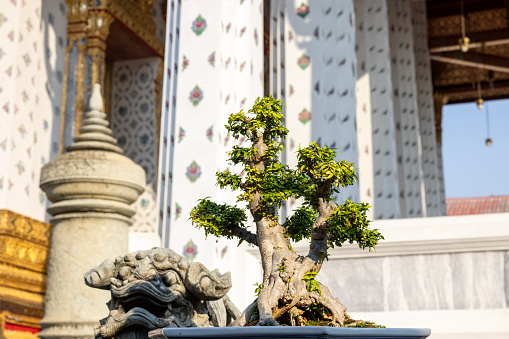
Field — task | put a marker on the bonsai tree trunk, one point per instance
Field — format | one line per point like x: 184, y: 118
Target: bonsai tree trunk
x: 286, y: 291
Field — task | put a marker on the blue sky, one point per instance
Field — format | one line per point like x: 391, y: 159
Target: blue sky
x: 471, y: 169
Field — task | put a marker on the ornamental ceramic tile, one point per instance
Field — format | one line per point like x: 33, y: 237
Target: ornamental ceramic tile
x: 190, y: 250
x: 185, y: 63
x: 199, y: 25
x: 302, y: 10
x: 304, y: 116
x: 193, y: 172
x: 196, y: 95
x: 212, y: 59
x: 303, y: 61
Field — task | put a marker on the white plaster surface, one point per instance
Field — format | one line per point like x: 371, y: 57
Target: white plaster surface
x: 139, y: 241
x: 452, y: 227
x: 451, y: 324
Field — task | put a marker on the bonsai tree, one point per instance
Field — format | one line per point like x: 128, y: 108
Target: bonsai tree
x: 289, y: 293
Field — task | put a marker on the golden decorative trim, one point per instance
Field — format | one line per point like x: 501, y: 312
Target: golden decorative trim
x: 23, y: 253
x: 88, y: 27
x: 11, y: 276
x: 18, y: 225
x: 21, y: 320
x: 478, y: 21
x: 108, y: 83
x: 137, y: 16
x: 11, y: 292
x: 24, y: 249
x: 76, y: 32
x: 99, y: 22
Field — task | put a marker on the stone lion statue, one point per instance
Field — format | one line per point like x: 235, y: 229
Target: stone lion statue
x: 159, y: 288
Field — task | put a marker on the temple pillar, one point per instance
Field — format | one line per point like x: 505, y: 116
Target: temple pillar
x: 406, y: 113
x: 73, y: 101
x: 426, y: 109
x: 91, y: 188
x: 377, y: 65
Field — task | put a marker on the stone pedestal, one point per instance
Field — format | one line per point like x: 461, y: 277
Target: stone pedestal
x: 91, y: 187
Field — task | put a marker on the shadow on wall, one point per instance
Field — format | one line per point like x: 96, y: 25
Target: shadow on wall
x: 55, y: 69
x: 320, y: 39
x: 54, y: 25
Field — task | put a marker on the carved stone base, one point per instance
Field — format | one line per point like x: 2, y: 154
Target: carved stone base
x: 74, y: 330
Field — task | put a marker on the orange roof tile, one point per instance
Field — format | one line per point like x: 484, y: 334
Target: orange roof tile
x: 480, y: 205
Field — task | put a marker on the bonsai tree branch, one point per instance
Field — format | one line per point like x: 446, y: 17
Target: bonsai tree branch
x: 244, y: 235
x: 222, y: 220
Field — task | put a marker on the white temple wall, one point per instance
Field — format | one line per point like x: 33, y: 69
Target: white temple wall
x: 202, y: 87
x: 426, y: 110
x: 32, y: 59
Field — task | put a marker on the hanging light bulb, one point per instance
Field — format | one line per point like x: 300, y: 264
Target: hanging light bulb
x: 488, y: 139
x: 464, y: 44
x: 479, y: 103
x: 464, y: 41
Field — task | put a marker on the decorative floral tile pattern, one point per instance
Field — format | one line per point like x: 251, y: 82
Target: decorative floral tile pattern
x: 193, y: 172
x: 196, y: 95
x: 133, y: 124
x: 190, y: 250
x: 199, y: 25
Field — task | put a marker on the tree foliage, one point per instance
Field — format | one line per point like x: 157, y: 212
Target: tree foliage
x: 316, y: 179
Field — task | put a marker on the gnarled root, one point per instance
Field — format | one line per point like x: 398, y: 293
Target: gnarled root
x: 315, y: 308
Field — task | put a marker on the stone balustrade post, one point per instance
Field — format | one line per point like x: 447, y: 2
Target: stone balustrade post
x: 91, y: 188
